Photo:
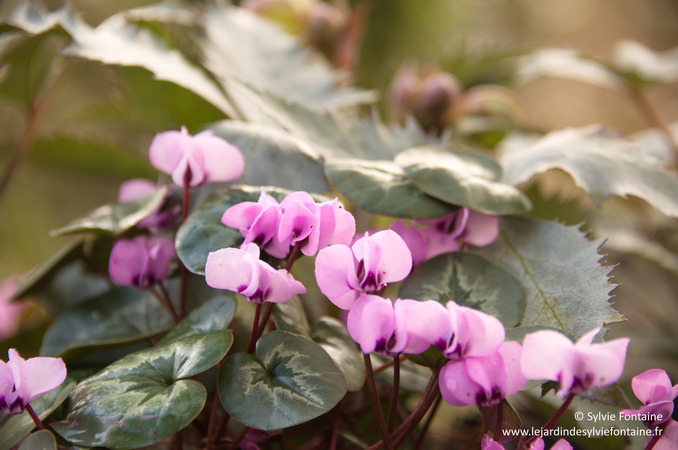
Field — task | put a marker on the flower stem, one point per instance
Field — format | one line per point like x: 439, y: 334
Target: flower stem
x: 255, y: 329
x: 266, y: 316
x: 428, y: 422
x: 552, y: 421
x: 163, y: 298
x: 411, y: 422
x: 394, y: 393
x: 183, y: 272
x: 34, y: 416
x: 379, y: 415
x: 293, y: 256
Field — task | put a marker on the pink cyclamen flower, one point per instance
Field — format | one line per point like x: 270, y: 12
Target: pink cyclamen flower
x: 668, y: 439
x: 274, y: 226
x: 240, y: 270
x: 464, y: 226
x: 137, y: 188
x: 195, y: 160
x: 653, y: 388
x: 23, y: 380
x: 406, y: 326
x: 490, y: 444
x: 549, y: 355
x: 475, y: 333
x: 140, y: 262
x: 483, y: 380
x: 313, y: 225
x: 9, y: 311
x: 344, y: 273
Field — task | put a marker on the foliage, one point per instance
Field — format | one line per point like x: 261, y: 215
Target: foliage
x: 172, y: 361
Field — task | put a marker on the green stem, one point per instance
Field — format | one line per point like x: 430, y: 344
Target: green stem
x: 394, y: 393
x: 378, y: 414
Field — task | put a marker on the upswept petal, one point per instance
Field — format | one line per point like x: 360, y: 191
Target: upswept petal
x: 337, y: 226
x: 548, y: 355
x: 420, y: 324
x: 652, y: 386
x: 224, y: 269
x: 222, y: 161
x: 167, y: 149
x: 481, y: 229
x: 335, y: 273
x: 475, y: 332
x: 603, y: 362
x: 128, y: 260
x: 371, y: 323
x: 40, y: 375
x: 396, y: 260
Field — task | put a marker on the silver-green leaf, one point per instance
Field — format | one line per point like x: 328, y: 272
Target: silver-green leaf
x: 601, y: 164
x: 565, y: 285
x: 143, y: 397
x: 462, y: 178
x: 289, y: 381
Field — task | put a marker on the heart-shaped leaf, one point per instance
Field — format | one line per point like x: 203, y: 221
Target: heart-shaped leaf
x: 214, y: 315
x: 121, y: 315
x: 144, y: 397
x: 291, y: 380
x: 115, y: 219
x: 469, y: 280
x: 382, y: 187
x: 462, y: 178
x: 332, y: 336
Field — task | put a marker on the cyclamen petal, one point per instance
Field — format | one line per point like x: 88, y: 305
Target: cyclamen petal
x: 475, y: 332
x: 419, y: 325
x: 369, y: 265
x: 140, y: 262
x: 483, y: 380
x: 371, y: 323
x: 653, y: 388
x: 241, y: 271
x: 22, y: 381
x: 194, y: 160
x: 550, y: 355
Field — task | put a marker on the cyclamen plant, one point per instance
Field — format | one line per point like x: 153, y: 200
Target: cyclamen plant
x: 301, y: 277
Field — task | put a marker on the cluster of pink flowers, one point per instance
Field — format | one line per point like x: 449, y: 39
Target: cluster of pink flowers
x: 277, y: 228
x: 143, y: 261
